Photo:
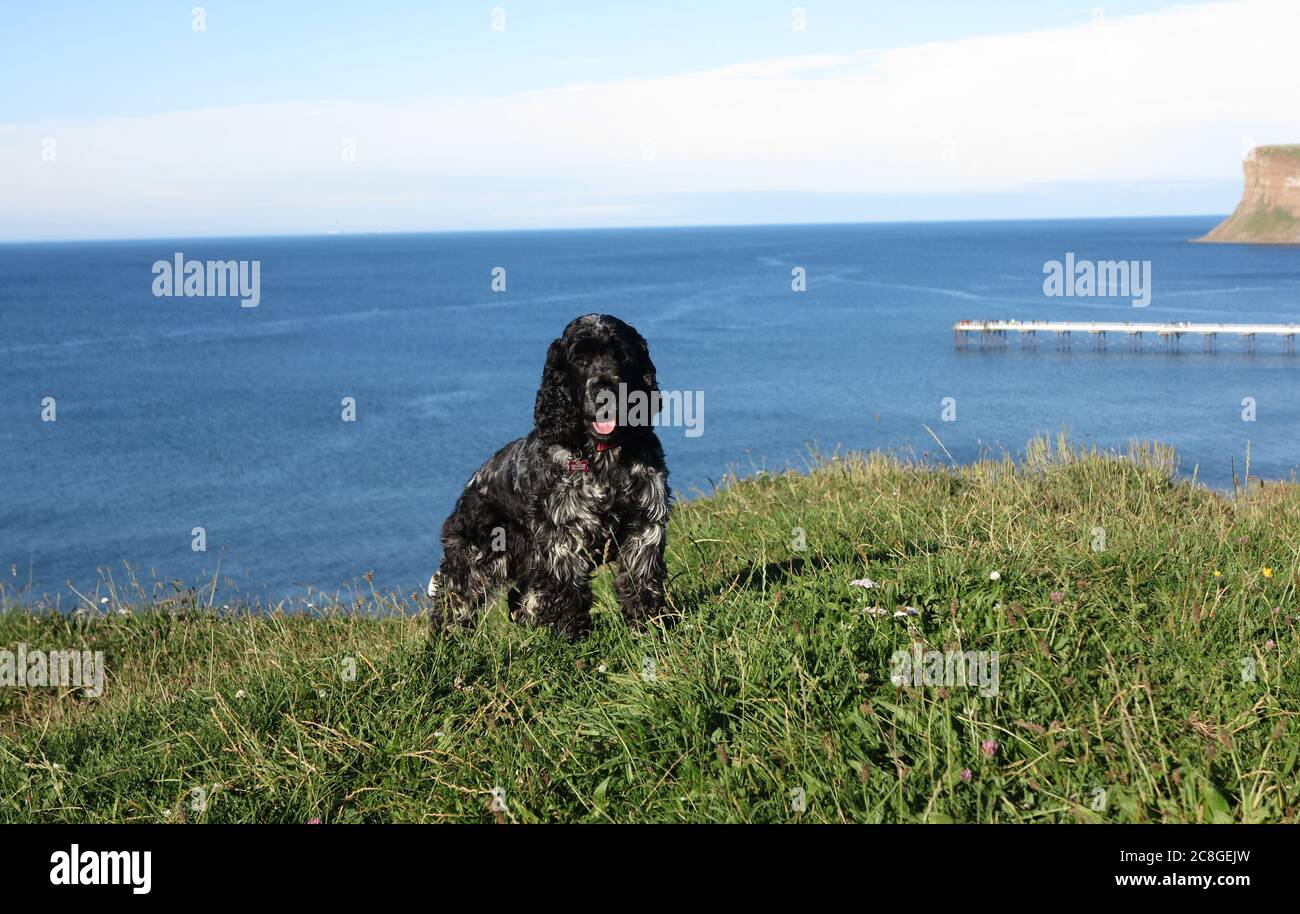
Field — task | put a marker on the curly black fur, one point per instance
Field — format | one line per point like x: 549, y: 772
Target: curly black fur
x: 546, y: 510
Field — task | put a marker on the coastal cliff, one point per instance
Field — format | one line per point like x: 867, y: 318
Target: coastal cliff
x: 1269, y: 211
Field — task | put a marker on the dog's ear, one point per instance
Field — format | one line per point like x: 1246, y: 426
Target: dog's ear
x: 647, y: 367
x: 555, y: 414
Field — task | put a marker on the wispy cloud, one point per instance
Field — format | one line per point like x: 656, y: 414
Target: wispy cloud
x: 1168, y: 96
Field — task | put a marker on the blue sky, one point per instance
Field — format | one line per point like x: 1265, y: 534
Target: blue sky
x: 455, y: 125
x: 101, y: 59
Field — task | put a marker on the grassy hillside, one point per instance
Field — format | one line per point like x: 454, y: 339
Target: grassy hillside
x: 1290, y: 151
x: 1147, y: 673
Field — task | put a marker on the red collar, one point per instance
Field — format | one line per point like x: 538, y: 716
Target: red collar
x: 602, y: 446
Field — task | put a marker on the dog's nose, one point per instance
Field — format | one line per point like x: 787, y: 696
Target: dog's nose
x: 602, y: 384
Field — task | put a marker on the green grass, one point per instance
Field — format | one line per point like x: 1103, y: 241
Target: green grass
x: 1291, y: 151
x: 1121, y: 673
x: 1271, y: 223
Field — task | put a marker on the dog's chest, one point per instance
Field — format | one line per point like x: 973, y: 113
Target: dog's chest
x: 582, y: 496
x: 593, y: 494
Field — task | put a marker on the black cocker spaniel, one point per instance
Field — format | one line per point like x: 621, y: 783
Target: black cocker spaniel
x: 587, y: 485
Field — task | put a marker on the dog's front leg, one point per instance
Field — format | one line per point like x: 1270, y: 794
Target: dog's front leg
x: 556, y: 587
x: 556, y: 591
x: 564, y: 606
x: 641, y: 573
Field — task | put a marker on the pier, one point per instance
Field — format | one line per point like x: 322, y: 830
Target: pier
x: 996, y: 333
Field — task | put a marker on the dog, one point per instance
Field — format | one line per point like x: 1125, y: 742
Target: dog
x: 587, y: 485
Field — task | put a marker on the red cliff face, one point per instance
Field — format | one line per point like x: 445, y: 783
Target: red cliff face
x: 1269, y: 211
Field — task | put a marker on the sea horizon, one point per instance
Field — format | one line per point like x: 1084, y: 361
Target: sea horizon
x: 288, y: 236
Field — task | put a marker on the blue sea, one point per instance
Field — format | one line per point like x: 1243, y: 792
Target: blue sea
x: 173, y: 413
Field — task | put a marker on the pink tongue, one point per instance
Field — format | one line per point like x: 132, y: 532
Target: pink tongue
x: 603, y: 428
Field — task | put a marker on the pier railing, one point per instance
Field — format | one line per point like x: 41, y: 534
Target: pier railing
x: 996, y: 332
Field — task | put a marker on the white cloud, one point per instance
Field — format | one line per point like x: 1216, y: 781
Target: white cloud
x: 1167, y: 96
